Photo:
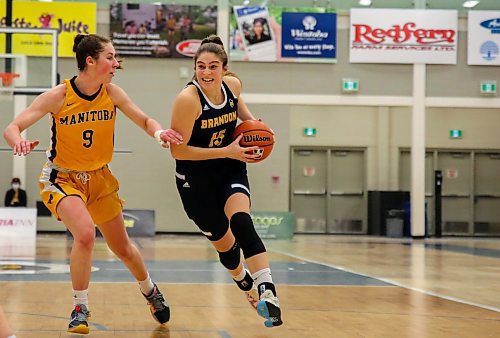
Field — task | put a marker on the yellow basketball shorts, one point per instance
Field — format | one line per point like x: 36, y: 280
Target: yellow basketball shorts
x: 98, y: 189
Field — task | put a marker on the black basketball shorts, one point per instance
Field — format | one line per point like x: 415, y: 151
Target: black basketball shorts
x: 204, y: 197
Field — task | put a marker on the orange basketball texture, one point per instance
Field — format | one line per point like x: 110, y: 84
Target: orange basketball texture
x: 256, y: 133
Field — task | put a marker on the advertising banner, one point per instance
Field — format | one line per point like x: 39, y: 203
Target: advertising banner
x: 69, y: 18
x: 17, y: 232
x: 139, y: 222
x: 280, y: 34
x: 158, y: 30
x: 275, y: 225
x: 483, y: 38
x: 403, y: 36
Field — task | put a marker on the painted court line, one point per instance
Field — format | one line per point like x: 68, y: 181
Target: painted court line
x: 389, y: 281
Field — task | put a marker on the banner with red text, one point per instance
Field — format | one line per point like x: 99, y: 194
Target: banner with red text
x: 17, y: 232
x: 69, y: 18
x: 160, y: 30
x: 403, y: 36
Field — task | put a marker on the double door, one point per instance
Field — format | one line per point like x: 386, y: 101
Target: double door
x: 470, y: 193
x: 328, y: 192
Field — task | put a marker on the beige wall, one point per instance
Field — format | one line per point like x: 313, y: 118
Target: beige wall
x: 146, y: 170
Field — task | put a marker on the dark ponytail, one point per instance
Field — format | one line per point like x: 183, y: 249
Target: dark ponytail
x: 88, y: 45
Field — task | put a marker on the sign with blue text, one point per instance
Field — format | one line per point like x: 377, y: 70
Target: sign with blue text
x: 283, y: 34
x: 483, y: 41
x: 311, y: 35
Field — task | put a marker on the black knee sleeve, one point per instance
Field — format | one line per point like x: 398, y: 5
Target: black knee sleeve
x: 231, y: 258
x: 245, y: 234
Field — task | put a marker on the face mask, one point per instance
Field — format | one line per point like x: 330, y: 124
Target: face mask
x: 15, y: 186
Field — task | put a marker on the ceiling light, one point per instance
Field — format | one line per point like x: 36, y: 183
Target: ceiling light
x: 470, y: 4
x: 365, y: 2
x: 246, y: 2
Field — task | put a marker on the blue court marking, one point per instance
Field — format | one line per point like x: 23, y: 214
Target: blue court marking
x: 96, y: 326
x: 160, y: 330
x: 207, y: 272
x: 485, y: 252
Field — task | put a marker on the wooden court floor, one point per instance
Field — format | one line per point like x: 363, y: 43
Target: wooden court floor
x: 329, y: 286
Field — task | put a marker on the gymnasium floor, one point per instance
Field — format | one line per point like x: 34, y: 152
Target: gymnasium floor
x: 329, y: 286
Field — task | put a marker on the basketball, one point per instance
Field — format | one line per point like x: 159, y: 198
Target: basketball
x: 256, y: 133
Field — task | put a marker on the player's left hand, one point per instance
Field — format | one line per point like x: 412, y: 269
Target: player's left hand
x: 167, y: 136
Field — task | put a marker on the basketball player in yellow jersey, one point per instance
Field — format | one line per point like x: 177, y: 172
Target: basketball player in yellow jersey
x: 83, y: 122
x: 76, y: 183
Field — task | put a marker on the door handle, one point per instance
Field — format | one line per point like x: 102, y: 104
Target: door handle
x: 346, y: 193
x: 487, y: 196
x: 310, y: 192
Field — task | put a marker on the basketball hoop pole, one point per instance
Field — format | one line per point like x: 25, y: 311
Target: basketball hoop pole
x: 8, y: 36
x: 20, y: 99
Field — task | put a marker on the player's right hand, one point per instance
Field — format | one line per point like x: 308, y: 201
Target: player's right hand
x: 24, y: 147
x: 244, y: 154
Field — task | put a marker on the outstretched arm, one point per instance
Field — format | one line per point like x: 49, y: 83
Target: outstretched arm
x: 50, y: 101
x: 146, y: 123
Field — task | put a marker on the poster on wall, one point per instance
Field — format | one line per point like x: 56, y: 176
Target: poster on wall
x: 280, y: 34
x: 159, y: 30
x: 403, y: 36
x: 68, y: 18
x: 484, y: 38
x: 17, y: 232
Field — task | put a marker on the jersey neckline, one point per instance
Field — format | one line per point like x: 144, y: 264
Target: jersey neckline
x: 213, y: 105
x: 82, y: 95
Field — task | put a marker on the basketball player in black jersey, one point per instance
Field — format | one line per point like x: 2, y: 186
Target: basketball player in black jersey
x: 211, y: 174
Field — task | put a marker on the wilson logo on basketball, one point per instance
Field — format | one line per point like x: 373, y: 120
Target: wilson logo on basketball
x: 256, y: 138
x: 188, y: 47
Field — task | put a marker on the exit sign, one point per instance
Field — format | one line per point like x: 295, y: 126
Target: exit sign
x: 309, y: 131
x: 455, y: 133
x: 488, y: 87
x: 350, y: 85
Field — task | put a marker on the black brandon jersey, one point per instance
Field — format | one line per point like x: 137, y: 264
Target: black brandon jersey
x: 213, y: 129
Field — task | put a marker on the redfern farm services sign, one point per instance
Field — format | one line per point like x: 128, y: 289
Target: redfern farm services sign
x: 403, y: 36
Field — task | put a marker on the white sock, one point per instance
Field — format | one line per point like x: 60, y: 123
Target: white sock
x: 81, y: 297
x: 262, y: 276
x: 146, y: 285
x: 241, y: 275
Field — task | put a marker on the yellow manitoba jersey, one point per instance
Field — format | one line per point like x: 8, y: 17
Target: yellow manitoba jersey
x: 82, y: 132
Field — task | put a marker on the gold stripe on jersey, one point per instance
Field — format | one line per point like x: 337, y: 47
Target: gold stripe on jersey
x: 83, y: 130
